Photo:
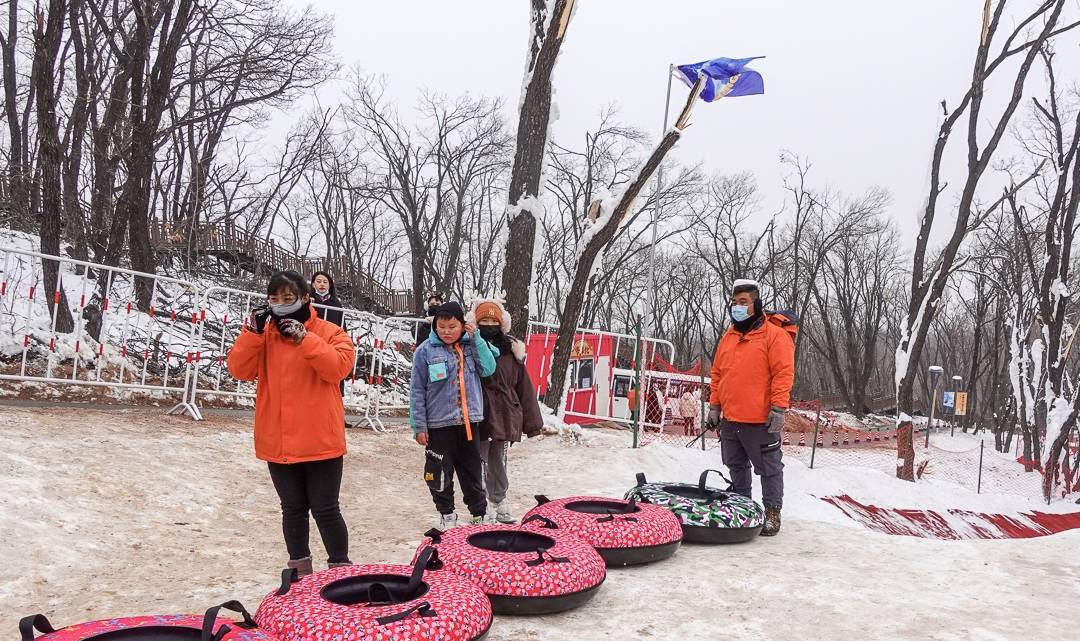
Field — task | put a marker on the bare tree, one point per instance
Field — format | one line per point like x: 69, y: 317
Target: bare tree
x: 928, y: 279
x: 550, y: 18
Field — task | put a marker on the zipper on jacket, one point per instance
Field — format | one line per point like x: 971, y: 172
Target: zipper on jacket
x: 461, y: 391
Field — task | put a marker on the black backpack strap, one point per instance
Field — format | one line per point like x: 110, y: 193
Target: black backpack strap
x: 38, y: 622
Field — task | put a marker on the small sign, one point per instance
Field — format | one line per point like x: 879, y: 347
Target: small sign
x: 949, y: 399
x: 581, y: 349
x: 961, y: 403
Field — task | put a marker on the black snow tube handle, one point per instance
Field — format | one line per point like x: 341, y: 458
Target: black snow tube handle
x: 375, y: 600
x: 38, y: 622
x: 701, y: 481
x: 541, y: 499
x: 288, y: 577
x: 211, y: 617
x: 630, y: 506
x: 540, y: 558
x: 435, y: 535
x: 423, y: 609
x: 640, y: 479
x: 548, y: 524
x: 428, y: 559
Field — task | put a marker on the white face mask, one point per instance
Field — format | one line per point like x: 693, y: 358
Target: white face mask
x: 286, y: 309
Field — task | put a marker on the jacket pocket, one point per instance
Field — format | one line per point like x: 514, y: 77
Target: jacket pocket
x: 437, y: 371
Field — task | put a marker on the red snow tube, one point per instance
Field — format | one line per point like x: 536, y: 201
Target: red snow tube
x: 151, y: 628
x: 377, y: 602
x: 623, y: 532
x: 523, y: 571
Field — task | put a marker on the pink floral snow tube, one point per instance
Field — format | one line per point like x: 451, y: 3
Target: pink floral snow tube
x: 165, y: 627
x: 623, y: 532
x: 377, y: 603
x: 523, y: 570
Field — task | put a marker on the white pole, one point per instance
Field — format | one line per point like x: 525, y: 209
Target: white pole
x: 650, y: 300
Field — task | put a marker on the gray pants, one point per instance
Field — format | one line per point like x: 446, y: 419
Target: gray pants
x: 493, y: 459
x: 743, y: 445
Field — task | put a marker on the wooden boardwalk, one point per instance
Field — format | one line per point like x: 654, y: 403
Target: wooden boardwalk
x: 227, y: 242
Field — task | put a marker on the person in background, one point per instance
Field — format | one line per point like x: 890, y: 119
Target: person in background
x: 423, y: 330
x: 510, y: 405
x: 752, y: 375
x: 690, y: 410
x: 446, y: 407
x: 324, y: 294
x: 298, y: 359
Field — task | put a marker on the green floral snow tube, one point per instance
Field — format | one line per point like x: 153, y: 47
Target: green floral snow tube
x: 707, y: 515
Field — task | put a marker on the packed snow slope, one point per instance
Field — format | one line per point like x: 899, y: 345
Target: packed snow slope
x: 115, y: 513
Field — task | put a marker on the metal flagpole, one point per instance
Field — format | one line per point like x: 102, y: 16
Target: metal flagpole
x: 650, y: 300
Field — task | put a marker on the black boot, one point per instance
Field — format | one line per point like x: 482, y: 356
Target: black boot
x: 772, y: 521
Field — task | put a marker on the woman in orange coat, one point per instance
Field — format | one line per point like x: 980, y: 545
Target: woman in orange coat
x: 298, y: 359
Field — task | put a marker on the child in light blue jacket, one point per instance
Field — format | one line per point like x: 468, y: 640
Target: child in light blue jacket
x: 446, y: 405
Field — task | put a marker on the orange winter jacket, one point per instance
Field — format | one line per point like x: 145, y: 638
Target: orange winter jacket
x: 299, y: 415
x: 752, y: 372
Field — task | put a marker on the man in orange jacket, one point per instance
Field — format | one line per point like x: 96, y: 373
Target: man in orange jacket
x: 752, y: 375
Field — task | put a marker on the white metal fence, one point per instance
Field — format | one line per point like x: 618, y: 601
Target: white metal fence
x: 175, y: 343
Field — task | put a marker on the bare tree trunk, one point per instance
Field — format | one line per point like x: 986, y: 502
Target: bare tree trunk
x: 608, y: 225
x: 47, y: 39
x: 550, y: 19
x: 18, y: 180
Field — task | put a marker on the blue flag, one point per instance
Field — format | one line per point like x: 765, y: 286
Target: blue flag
x: 727, y: 77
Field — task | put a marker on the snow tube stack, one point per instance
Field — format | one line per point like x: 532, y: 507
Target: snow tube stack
x: 623, y: 532
x: 707, y: 514
x: 377, y: 602
x: 522, y: 570
x: 207, y: 627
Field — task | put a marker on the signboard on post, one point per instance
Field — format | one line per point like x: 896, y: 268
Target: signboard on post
x: 961, y: 403
x: 948, y: 399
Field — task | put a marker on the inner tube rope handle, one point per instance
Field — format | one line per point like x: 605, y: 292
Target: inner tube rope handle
x: 28, y: 624
x: 701, y: 481
x: 423, y: 609
x: 548, y: 524
x: 540, y: 559
x: 211, y: 617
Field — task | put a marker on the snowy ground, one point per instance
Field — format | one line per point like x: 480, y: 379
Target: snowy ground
x: 112, y: 513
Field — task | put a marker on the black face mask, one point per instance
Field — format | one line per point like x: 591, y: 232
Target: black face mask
x: 490, y: 332
x: 431, y: 309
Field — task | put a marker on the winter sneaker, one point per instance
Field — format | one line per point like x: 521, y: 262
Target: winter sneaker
x: 478, y: 520
x: 489, y: 519
x: 302, y: 566
x: 502, y: 512
x: 772, y: 521
x: 447, y: 521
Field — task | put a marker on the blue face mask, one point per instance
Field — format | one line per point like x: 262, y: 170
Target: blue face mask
x: 740, y: 313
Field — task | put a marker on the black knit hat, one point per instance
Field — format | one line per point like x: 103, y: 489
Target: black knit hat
x: 451, y: 309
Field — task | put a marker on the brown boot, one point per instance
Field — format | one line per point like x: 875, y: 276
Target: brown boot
x: 772, y: 521
x: 338, y: 565
x: 302, y: 566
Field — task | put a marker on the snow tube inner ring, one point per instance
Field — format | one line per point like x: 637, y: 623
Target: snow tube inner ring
x: 150, y: 633
x: 512, y: 541
x: 602, y: 507
x: 373, y: 589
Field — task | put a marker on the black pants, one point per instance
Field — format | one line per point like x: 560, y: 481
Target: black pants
x: 449, y: 451
x: 311, y: 487
x: 743, y: 445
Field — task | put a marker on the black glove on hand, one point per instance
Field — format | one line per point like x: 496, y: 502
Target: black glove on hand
x: 256, y: 321
x: 712, y: 422
x: 292, y: 328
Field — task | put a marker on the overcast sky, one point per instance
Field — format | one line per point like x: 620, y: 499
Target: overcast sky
x: 853, y: 85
